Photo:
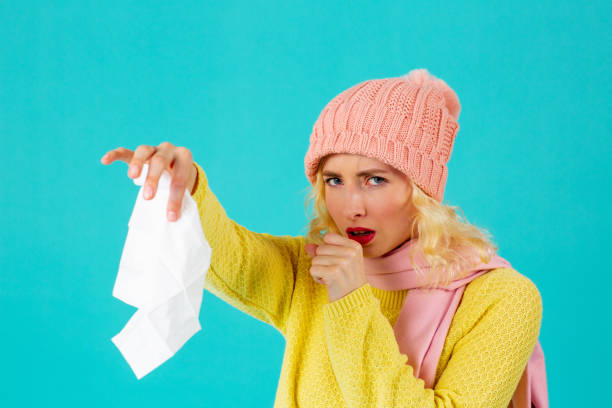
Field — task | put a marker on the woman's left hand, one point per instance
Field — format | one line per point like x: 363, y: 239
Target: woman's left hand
x: 337, y: 264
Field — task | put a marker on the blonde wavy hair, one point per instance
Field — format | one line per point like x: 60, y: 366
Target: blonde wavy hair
x: 439, y: 228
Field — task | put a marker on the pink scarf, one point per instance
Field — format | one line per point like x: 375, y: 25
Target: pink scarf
x: 425, y: 318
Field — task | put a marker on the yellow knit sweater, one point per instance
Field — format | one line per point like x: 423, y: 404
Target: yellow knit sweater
x: 344, y: 353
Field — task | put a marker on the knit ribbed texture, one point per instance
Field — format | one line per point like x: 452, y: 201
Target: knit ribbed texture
x: 344, y: 353
x: 408, y: 122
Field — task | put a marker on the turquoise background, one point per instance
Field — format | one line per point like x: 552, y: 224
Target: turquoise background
x: 240, y: 83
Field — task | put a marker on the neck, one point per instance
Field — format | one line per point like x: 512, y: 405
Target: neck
x: 400, y: 245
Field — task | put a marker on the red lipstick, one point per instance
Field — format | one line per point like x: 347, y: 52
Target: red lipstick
x: 360, y: 234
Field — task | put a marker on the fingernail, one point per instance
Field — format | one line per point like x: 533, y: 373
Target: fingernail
x: 171, y: 215
x: 133, y: 170
x: 148, y: 192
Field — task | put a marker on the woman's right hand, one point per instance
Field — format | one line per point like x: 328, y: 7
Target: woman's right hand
x: 177, y: 160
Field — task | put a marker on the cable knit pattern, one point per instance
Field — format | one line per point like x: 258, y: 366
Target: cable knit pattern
x: 344, y: 353
x: 409, y: 123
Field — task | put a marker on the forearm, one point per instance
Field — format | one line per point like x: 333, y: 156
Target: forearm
x: 252, y: 271
x: 365, y: 356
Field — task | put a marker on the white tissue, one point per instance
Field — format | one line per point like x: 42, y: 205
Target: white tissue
x: 161, y: 272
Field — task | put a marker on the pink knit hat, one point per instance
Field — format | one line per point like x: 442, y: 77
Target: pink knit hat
x: 408, y: 122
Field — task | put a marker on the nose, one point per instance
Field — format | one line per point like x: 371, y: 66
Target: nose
x: 355, y: 204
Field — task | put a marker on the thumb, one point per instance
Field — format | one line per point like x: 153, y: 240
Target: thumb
x: 311, y: 248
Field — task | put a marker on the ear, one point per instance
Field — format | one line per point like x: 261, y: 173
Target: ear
x: 310, y: 249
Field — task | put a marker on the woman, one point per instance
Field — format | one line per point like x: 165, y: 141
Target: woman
x: 390, y: 300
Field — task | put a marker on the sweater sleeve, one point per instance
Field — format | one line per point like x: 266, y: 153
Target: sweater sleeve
x: 254, y: 272
x: 483, y: 371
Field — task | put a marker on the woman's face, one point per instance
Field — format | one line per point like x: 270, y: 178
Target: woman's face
x: 364, y: 192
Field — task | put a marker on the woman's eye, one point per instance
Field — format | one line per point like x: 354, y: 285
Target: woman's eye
x: 331, y: 178
x: 382, y: 180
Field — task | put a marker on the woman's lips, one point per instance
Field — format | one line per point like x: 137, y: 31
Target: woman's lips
x: 362, y: 239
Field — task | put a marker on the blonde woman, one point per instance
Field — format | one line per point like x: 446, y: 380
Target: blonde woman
x: 391, y: 299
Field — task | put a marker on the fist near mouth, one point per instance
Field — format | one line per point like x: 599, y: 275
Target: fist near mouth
x: 337, y: 264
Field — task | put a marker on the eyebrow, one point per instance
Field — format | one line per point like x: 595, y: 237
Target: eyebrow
x: 367, y: 172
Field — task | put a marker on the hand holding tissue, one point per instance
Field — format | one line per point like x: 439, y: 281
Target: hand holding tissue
x: 161, y: 272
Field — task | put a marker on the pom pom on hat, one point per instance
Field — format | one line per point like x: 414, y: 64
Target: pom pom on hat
x: 422, y: 77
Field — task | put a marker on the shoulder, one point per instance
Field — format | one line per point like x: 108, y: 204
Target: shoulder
x: 504, y: 282
x: 507, y: 289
